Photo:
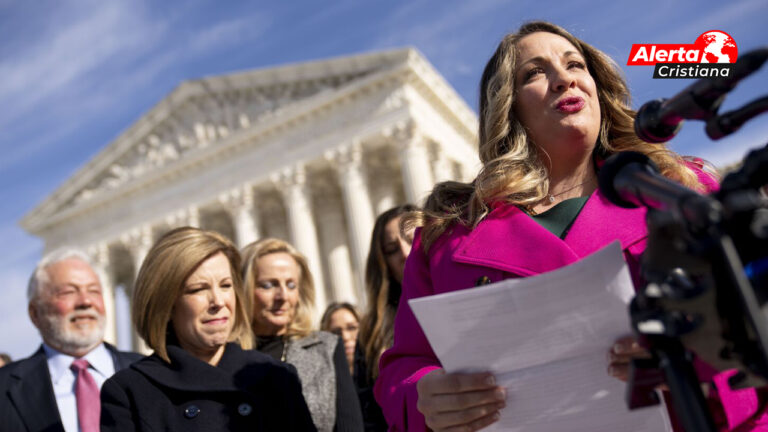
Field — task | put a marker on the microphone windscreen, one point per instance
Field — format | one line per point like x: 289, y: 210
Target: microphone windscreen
x: 613, y: 167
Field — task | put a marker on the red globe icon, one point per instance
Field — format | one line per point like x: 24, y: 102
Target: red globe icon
x: 717, y: 47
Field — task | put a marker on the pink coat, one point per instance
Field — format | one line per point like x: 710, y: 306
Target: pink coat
x: 507, y: 244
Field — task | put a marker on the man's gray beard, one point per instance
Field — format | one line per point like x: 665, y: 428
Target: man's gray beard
x: 55, y: 330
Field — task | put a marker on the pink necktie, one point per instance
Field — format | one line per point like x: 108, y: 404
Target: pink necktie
x: 87, y: 396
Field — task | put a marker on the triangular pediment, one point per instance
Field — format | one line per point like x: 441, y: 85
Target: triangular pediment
x: 202, y: 113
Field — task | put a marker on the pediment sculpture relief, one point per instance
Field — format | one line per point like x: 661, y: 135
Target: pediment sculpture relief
x: 200, y: 122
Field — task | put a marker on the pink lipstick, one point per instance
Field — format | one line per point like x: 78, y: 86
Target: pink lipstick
x: 570, y: 104
x: 216, y: 321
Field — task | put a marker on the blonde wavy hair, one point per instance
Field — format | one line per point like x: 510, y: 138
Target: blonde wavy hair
x: 512, y: 171
x: 168, y: 265
x: 302, y: 324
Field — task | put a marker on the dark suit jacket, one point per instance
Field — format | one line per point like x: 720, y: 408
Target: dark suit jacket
x: 246, y: 391
x: 27, y: 402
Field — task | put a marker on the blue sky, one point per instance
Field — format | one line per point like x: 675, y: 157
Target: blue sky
x: 75, y: 74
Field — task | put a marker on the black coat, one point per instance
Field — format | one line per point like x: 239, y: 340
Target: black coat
x: 247, y: 391
x: 373, y: 418
x: 27, y: 402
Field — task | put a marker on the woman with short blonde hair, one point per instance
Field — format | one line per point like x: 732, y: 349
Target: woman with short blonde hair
x: 161, y: 279
x: 190, y: 306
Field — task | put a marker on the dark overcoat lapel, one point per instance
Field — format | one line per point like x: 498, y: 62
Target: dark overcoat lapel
x: 247, y: 390
x: 190, y: 375
x: 122, y: 359
x: 31, y: 394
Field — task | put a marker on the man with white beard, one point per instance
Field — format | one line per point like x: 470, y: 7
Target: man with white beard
x: 57, y: 388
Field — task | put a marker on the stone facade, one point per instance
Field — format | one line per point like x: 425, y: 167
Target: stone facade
x: 308, y: 152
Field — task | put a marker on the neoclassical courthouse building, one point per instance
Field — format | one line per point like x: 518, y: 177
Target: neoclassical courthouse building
x: 308, y: 152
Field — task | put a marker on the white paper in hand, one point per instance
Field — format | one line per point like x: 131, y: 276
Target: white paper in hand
x: 546, y: 339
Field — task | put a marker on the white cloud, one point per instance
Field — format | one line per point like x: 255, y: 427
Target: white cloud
x: 14, y: 153
x: 327, y: 12
x: 103, y: 31
x: 443, y: 37
x: 432, y: 33
x: 229, y: 32
x: 53, y: 81
x: 96, y: 59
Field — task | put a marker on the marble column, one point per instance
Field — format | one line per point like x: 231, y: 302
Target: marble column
x: 467, y: 172
x: 100, y: 258
x: 192, y: 216
x: 189, y: 216
x: 139, y: 241
x: 301, y: 224
x: 240, y: 204
x: 357, y: 206
x: 414, y: 160
x: 382, y: 169
x: 335, y: 247
x: 441, y: 165
x: 274, y: 215
x: 386, y: 200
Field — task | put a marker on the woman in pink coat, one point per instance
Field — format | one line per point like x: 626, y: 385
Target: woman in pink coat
x: 551, y: 109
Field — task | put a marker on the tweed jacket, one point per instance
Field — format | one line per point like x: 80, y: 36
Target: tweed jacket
x: 507, y: 244
x: 313, y: 358
x: 27, y: 402
x: 246, y: 391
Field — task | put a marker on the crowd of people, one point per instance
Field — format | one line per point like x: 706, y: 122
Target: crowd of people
x: 234, y: 343
x: 235, y: 346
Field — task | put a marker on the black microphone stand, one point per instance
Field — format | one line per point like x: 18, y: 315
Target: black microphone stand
x: 698, y: 298
x: 656, y: 316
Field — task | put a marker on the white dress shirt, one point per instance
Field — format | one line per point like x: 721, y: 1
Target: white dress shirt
x: 102, y: 366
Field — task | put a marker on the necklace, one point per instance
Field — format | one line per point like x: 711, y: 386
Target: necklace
x: 285, y: 350
x: 551, y: 197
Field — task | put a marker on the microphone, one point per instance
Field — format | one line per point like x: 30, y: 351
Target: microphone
x: 630, y: 179
x: 660, y: 120
x: 725, y: 124
x: 753, y: 174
